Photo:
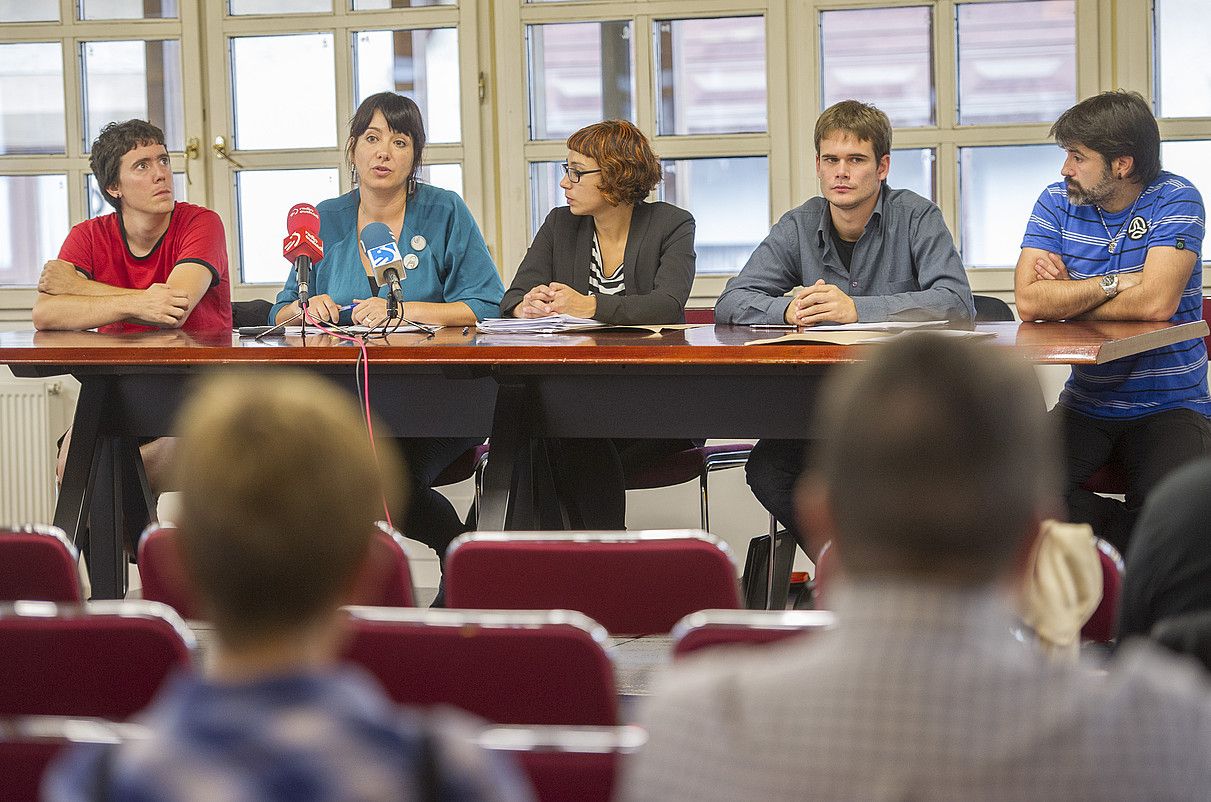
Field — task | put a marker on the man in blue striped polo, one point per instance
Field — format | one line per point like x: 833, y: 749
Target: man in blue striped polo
x: 1120, y: 239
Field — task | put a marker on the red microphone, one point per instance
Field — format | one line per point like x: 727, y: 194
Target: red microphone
x: 303, y: 245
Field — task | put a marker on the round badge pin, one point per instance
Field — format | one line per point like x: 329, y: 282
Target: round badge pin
x: 418, y: 243
x: 410, y: 261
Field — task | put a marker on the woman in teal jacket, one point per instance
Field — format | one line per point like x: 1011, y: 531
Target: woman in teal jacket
x: 451, y: 280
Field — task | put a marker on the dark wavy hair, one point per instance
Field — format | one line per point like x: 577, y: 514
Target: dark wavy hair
x: 114, y: 142
x: 1114, y: 124
x: 629, y: 168
x: 403, y: 117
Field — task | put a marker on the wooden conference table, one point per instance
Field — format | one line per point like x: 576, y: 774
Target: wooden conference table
x: 694, y: 383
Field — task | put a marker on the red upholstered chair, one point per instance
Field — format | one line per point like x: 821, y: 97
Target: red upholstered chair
x: 691, y: 463
x: 38, y: 563
x: 565, y: 763
x: 1100, y: 627
x: 105, y: 659
x: 470, y: 463
x: 28, y: 744
x: 707, y: 628
x: 533, y: 667
x: 632, y: 583
x: 385, y: 579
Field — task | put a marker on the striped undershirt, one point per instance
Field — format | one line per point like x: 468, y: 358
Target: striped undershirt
x: 598, y: 281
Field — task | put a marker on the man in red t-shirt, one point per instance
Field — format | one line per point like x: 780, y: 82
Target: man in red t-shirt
x: 154, y: 263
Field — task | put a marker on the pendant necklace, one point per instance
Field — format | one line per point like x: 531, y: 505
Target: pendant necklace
x: 1122, y: 227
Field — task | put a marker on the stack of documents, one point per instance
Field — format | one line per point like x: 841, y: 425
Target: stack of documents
x: 541, y: 325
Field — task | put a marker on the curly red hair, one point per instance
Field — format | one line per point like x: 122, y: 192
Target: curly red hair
x: 629, y: 168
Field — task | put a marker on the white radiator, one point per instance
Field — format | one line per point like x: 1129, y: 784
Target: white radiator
x: 27, y: 451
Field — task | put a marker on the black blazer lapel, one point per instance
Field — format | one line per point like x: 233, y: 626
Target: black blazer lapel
x: 641, y: 218
x: 582, y: 255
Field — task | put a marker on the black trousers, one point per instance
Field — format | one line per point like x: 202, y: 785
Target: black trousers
x: 1148, y: 449
x: 590, y: 475
x: 773, y: 468
x: 431, y: 518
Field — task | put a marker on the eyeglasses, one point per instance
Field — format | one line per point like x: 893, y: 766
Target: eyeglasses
x: 575, y: 175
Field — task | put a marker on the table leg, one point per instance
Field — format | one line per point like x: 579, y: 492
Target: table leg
x: 71, y: 509
x: 508, y: 483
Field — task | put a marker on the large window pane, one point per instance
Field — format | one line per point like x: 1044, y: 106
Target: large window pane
x: 376, y: 5
x: 278, y: 6
x: 446, y: 176
x: 882, y: 56
x: 580, y: 73
x: 545, y: 192
x: 30, y: 11
x: 998, y: 187
x: 33, y: 225
x: 912, y: 169
x: 139, y: 79
x: 97, y: 205
x: 1192, y: 161
x: 1183, y: 71
x: 422, y: 64
x: 31, y: 99
x: 269, y: 117
x: 1007, y: 77
x: 711, y: 75
x: 729, y: 199
x: 264, y: 197
x: 127, y: 9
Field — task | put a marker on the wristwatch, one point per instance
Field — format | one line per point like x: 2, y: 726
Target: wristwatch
x: 1109, y: 285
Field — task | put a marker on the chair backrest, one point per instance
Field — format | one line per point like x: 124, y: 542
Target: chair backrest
x: 105, y: 659
x: 990, y: 309
x: 633, y: 583
x: 565, y: 763
x: 534, y: 667
x: 38, y: 563
x: 707, y: 628
x: 1207, y: 317
x: 384, y: 580
x: 250, y: 313
x: 28, y: 744
x: 700, y: 314
x: 1101, y: 625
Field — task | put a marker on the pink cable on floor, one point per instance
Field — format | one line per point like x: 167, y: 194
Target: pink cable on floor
x: 365, y: 360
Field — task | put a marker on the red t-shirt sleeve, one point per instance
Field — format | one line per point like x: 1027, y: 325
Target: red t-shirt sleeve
x: 78, y: 247
x: 204, y: 241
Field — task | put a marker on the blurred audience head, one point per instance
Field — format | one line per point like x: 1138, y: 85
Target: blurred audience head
x: 937, y: 462
x: 280, y: 492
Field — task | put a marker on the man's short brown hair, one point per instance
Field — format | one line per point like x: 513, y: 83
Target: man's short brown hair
x: 1114, y: 124
x: 862, y: 120
x: 937, y: 456
x: 279, y: 496
x: 629, y: 168
x: 114, y: 142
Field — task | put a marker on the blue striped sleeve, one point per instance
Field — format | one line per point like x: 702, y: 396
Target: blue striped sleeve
x: 1043, y: 228
x: 1179, y: 220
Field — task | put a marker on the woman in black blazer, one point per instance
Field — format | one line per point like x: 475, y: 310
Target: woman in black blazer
x: 610, y: 256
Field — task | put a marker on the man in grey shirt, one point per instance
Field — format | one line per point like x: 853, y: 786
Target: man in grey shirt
x: 924, y: 691
x: 861, y: 253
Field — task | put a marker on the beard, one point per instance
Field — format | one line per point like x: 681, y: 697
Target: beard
x: 1095, y: 195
